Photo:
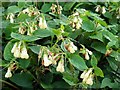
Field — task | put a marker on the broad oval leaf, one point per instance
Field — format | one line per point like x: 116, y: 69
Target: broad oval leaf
x: 88, y: 26
x: 24, y: 37
x: 22, y: 79
x: 78, y: 62
x: 7, y: 51
x: 43, y: 33
x: 13, y: 9
x: 98, y: 72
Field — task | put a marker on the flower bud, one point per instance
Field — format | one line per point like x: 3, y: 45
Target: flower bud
x: 60, y: 67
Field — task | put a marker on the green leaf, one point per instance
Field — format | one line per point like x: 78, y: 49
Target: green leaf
x: 94, y: 61
x: 46, y: 86
x: 70, y: 79
x: 21, y: 3
x: 112, y: 63
x: 106, y: 82
x: 60, y: 85
x: 98, y: 46
x: 35, y: 49
x: 7, y: 51
x: 88, y: 25
x: 77, y: 62
x: 108, y: 15
x: 22, y: 17
x: 24, y: 37
x: 97, y: 36
x: 46, y: 7
x: 43, y: 33
x: 68, y: 6
x: 24, y: 63
x: 98, y: 72
x: 47, y: 78
x: 22, y: 79
x: 108, y: 35
x: 13, y: 9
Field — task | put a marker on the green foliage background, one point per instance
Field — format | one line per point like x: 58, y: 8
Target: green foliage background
x: 98, y: 39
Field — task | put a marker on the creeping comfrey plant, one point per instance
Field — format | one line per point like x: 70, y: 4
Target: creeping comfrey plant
x: 66, y: 45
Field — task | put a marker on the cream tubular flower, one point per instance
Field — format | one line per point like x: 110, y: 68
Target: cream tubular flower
x: 83, y: 74
x: 17, y: 50
x: 89, y: 51
x: 14, y: 47
x: 24, y: 53
x: 47, y: 62
x: 90, y: 80
x: 97, y: 8
x: 60, y: 67
x: 87, y: 56
x: 103, y: 10
x: 42, y: 23
x: 72, y: 48
x: 8, y: 74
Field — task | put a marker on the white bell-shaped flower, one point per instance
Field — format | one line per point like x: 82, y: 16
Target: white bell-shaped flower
x: 90, y: 80
x: 17, y: 53
x: 75, y: 19
x: 11, y: 17
x: 60, y: 67
x: 72, y: 48
x: 17, y: 50
x: 103, y: 10
x: 14, y: 47
x: 78, y: 25
x: 47, y: 62
x: 89, y: 51
x: 8, y: 74
x: 24, y: 53
x: 42, y: 23
x: 87, y: 56
x: 97, y: 8
x: 83, y: 74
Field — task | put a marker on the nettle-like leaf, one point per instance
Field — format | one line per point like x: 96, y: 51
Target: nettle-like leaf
x: 77, y: 62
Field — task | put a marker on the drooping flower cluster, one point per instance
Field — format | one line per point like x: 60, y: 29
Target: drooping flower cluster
x: 70, y: 47
x: 10, y: 69
x: 11, y: 17
x: 31, y: 11
x: 19, y: 50
x: 87, y: 76
x: 100, y: 9
x: 49, y: 58
x: 75, y: 20
x: 56, y: 9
